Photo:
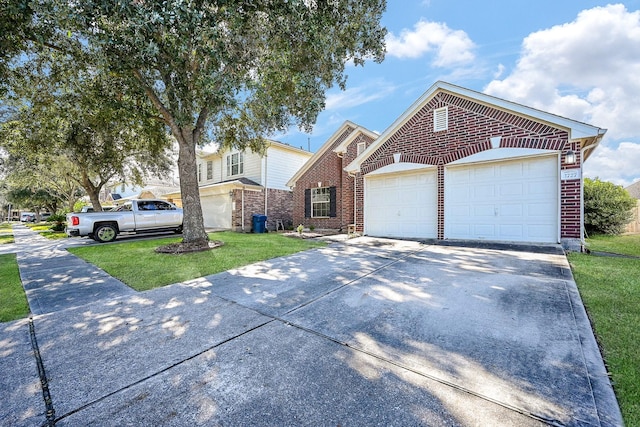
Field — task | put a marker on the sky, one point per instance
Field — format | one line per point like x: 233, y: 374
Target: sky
x: 578, y: 59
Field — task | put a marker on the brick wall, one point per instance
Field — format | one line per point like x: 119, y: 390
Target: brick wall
x: 471, y: 127
x: 279, y: 206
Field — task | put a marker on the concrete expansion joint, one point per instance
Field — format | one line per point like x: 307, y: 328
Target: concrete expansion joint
x: 50, y: 412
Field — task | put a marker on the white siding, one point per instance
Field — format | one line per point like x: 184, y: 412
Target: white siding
x: 282, y: 164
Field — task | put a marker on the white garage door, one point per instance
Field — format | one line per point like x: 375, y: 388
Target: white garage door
x: 402, y: 205
x: 514, y: 200
x: 216, y: 211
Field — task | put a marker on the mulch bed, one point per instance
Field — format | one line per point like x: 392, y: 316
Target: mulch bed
x: 184, y: 248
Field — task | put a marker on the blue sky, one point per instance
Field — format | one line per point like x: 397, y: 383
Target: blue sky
x: 578, y: 59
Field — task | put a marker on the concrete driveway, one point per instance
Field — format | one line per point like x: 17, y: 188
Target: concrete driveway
x: 367, y: 332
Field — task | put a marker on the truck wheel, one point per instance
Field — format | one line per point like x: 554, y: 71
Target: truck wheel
x: 105, y: 233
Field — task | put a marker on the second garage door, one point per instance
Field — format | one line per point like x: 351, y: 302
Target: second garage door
x: 402, y: 204
x: 514, y: 200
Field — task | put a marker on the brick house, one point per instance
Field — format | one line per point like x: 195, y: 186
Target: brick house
x: 234, y: 185
x: 460, y: 164
x: 322, y: 190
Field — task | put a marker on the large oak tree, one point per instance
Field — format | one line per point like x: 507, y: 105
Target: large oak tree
x: 231, y: 71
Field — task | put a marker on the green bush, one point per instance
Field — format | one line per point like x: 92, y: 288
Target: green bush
x: 58, y: 221
x: 607, y: 207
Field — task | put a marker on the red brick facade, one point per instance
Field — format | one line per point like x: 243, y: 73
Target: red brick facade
x: 471, y: 126
x: 279, y: 204
x: 328, y: 170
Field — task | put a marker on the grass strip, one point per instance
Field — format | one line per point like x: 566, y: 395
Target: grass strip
x: 13, y: 301
x: 136, y: 264
x: 610, y: 290
x: 625, y: 245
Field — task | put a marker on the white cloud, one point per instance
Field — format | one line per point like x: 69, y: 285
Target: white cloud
x: 616, y: 164
x: 586, y: 70
x: 359, y: 95
x: 451, y: 47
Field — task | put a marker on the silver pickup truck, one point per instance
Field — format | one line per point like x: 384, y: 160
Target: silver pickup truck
x: 135, y: 216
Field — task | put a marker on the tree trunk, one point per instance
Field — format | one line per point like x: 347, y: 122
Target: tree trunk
x: 93, y: 192
x: 193, y: 223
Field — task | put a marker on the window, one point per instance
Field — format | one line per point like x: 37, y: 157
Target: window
x: 440, y: 119
x: 235, y: 164
x: 209, y: 169
x: 320, y: 202
x: 199, y: 172
x: 361, y: 147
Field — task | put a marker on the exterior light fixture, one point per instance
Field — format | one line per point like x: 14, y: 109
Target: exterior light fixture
x: 570, y: 157
x: 319, y: 184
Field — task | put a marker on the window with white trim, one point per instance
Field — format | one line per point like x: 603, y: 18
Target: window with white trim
x: 320, y: 202
x: 440, y: 119
x: 361, y: 147
x: 235, y: 164
x: 209, y: 169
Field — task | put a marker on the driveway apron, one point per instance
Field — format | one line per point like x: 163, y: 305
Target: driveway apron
x: 366, y: 332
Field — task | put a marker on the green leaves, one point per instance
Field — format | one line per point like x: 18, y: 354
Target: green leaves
x: 607, y: 207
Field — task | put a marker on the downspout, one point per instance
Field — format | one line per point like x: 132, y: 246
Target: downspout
x: 266, y: 189
x: 242, y: 209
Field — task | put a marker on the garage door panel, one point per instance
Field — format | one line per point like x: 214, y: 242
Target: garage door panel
x: 512, y: 200
x: 401, y: 205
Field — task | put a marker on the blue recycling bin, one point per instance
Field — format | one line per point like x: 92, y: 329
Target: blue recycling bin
x: 259, y: 223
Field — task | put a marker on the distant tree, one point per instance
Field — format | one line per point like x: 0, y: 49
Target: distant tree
x: 229, y: 71
x: 83, y: 128
x: 607, y: 207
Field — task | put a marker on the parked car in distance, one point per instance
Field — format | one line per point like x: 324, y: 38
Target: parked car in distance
x: 135, y: 216
x: 27, y: 217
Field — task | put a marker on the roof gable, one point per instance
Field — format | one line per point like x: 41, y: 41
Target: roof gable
x: 576, y: 130
x: 353, y: 131
x: 634, y: 190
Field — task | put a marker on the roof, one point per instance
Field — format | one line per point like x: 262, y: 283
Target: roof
x: 634, y: 190
x: 577, y: 130
x: 270, y: 144
x: 357, y: 129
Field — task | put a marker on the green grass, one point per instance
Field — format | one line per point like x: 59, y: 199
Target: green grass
x: 610, y: 290
x: 6, y: 238
x: 136, y: 264
x: 627, y: 245
x: 13, y: 301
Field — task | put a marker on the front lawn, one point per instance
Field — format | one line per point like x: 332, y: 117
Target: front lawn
x: 136, y: 264
x: 13, y: 301
x: 610, y: 290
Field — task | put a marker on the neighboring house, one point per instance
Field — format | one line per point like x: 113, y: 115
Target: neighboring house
x: 460, y: 164
x: 322, y: 191
x: 234, y: 185
x: 634, y: 225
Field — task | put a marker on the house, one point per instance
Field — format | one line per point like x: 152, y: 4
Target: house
x: 460, y: 164
x: 634, y: 225
x: 234, y: 185
x: 322, y: 190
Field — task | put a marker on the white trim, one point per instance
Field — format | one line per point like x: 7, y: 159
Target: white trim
x: 501, y: 154
x: 400, y: 167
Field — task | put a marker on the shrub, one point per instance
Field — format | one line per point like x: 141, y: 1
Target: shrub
x: 58, y: 221
x: 607, y: 207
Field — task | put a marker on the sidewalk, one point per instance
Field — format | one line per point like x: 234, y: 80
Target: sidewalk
x: 55, y: 280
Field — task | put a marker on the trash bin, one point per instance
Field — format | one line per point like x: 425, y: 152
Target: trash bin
x: 259, y: 223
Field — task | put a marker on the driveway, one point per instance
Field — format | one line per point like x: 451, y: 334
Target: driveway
x: 367, y: 332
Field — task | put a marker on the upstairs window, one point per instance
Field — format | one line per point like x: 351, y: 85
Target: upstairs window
x: 209, y: 169
x: 235, y: 164
x: 361, y: 147
x: 440, y: 119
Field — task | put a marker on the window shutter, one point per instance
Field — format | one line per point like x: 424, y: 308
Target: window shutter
x: 332, y: 202
x: 307, y: 203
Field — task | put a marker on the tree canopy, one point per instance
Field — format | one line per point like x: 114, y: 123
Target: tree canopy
x: 229, y: 71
